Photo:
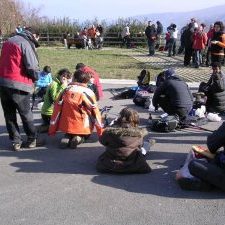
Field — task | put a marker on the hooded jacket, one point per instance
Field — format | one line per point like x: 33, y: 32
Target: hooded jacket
x: 176, y: 92
x: 19, y: 62
x: 216, y: 93
x: 79, y: 113
x: 123, y: 154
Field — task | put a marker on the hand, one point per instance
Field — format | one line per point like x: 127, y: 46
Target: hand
x: 214, y: 42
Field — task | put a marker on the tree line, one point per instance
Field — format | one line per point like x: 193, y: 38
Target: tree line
x: 15, y: 12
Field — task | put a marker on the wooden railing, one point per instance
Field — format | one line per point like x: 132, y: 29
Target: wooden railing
x: 110, y: 39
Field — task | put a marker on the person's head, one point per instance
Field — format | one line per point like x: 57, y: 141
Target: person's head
x: 193, y: 20
x: 169, y: 73
x: 81, y: 77
x: 34, y: 32
x: 47, y: 69
x: 150, y: 23
x: 79, y: 66
x: 218, y: 26
x: 128, y: 118
x: 64, y: 74
x: 216, y: 67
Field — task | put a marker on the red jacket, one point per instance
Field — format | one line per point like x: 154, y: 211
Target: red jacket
x: 199, y: 40
x: 95, y: 75
x: 18, y: 64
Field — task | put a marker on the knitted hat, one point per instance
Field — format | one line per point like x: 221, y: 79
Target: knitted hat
x: 168, y: 73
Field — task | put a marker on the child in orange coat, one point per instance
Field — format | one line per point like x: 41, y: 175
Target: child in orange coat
x: 78, y: 113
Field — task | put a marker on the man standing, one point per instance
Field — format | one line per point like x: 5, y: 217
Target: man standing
x: 18, y: 70
x: 151, y: 34
x: 126, y: 36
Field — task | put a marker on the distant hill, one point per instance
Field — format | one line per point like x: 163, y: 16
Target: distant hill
x: 208, y: 16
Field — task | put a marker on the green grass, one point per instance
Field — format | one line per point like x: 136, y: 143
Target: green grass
x: 114, y: 63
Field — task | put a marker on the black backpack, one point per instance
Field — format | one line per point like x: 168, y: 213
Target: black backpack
x: 166, y: 124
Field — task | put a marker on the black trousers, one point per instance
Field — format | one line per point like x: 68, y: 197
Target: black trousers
x: 182, y: 112
x: 17, y: 101
x: 217, y: 58
x: 187, y: 56
x: 208, y: 172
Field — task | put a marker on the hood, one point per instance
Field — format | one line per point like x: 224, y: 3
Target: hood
x: 129, y: 132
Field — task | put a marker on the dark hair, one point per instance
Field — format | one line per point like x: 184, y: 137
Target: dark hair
x: 64, y: 72
x: 33, y: 30
x: 216, y: 64
x: 79, y: 65
x: 47, y: 69
x: 81, y: 77
x: 219, y: 23
x: 128, y: 117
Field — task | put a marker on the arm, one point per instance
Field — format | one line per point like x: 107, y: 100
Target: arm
x: 159, y: 91
x: 217, y: 139
x: 30, y: 61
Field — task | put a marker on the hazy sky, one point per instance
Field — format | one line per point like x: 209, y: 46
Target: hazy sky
x: 113, y: 9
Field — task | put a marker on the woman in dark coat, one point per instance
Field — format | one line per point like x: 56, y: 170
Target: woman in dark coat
x: 123, y: 144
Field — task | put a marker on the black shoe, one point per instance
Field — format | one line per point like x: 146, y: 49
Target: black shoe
x: 16, y: 146
x: 76, y: 140
x: 64, y: 143
x: 194, y: 184
x: 33, y: 143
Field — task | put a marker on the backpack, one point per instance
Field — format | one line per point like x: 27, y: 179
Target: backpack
x: 166, y: 124
x: 143, y: 94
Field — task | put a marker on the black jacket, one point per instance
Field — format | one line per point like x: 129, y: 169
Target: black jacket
x: 217, y: 139
x: 176, y: 91
x: 150, y: 32
x: 216, y: 93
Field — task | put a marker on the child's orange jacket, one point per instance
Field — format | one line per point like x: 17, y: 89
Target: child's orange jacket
x: 76, y: 112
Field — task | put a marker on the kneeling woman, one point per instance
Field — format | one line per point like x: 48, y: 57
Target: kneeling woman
x: 123, y: 144
x: 76, y: 112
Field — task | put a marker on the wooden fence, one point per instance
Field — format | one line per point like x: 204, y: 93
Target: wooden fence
x: 110, y: 39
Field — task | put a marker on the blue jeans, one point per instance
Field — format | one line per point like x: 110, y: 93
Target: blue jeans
x: 198, y: 57
x: 172, y: 46
x: 12, y: 101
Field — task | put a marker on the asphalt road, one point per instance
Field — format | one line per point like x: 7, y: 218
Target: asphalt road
x: 50, y: 186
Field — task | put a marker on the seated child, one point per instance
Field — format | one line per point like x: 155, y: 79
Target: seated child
x: 95, y: 80
x: 214, y: 90
x: 123, y: 142
x: 44, y: 80
x: 59, y: 83
x: 79, y: 112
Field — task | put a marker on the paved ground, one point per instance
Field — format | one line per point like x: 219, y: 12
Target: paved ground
x: 161, y: 61
x: 49, y: 186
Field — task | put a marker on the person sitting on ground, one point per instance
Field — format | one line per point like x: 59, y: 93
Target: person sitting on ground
x: 212, y: 172
x: 79, y: 112
x: 41, y: 85
x: 123, y: 142
x: 214, y: 89
x: 125, y: 34
x: 59, y: 83
x: 173, y: 96
x: 94, y: 79
x: 91, y: 32
x: 83, y: 36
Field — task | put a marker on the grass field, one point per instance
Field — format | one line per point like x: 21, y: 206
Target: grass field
x: 114, y: 63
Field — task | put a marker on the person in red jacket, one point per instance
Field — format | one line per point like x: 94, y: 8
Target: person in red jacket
x: 95, y: 79
x: 199, y: 44
x: 18, y: 71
